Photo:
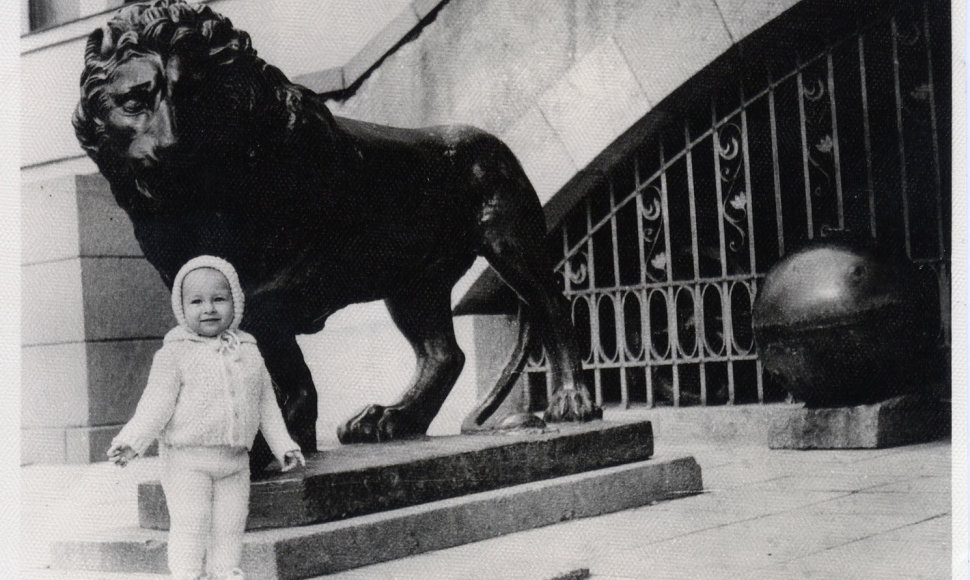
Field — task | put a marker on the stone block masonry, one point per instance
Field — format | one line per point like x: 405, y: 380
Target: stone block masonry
x: 899, y: 421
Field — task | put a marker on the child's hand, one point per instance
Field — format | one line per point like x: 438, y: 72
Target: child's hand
x: 292, y: 459
x: 121, y: 454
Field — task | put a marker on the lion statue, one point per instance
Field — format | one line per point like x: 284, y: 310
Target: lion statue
x: 210, y: 150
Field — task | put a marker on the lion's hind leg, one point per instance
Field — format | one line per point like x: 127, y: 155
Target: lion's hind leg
x: 514, y: 248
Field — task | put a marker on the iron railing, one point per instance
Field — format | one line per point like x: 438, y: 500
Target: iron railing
x: 661, y: 263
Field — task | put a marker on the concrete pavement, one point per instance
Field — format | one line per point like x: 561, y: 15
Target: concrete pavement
x: 882, y: 513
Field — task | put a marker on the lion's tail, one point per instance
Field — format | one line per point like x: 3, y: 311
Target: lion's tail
x: 510, y: 374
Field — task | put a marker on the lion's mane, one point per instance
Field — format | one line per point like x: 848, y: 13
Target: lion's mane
x: 167, y: 27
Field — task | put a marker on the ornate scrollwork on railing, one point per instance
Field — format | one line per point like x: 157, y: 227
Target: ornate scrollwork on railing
x: 814, y: 89
x: 735, y: 197
x: 675, y: 320
x: 916, y: 89
x: 818, y: 130
x: 655, y: 253
x: 820, y: 147
x: 576, y: 270
x: 908, y: 25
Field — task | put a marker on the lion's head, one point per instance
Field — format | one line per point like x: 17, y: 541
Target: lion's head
x: 167, y: 85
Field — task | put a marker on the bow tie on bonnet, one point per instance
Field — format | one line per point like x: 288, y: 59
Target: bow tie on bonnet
x: 228, y: 341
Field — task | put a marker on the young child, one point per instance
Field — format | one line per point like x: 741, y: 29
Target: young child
x: 207, y: 393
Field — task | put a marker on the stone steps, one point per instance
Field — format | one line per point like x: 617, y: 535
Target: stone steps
x: 313, y: 550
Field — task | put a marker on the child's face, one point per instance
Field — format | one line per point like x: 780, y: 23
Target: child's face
x: 207, y: 301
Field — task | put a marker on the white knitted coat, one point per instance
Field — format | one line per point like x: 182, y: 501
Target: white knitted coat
x: 208, y: 391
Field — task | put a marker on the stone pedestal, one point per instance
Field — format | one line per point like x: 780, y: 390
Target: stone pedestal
x: 898, y: 421
x: 354, y: 480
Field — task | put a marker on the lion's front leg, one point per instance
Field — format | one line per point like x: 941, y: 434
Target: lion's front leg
x: 424, y: 317
x: 295, y: 391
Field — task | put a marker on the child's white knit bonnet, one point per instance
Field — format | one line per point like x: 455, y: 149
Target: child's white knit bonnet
x: 238, y: 299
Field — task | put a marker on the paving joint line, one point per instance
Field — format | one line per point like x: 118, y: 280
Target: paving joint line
x: 866, y: 537
x: 741, y: 521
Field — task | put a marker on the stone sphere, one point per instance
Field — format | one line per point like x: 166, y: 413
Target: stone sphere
x: 837, y: 324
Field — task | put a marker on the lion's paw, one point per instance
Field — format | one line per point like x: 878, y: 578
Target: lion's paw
x: 362, y: 427
x: 572, y: 404
x: 376, y: 424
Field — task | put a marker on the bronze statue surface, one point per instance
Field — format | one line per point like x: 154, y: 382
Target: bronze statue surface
x: 839, y: 323
x: 209, y: 149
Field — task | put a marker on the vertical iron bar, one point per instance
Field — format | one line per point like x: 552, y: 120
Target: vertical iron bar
x: 728, y: 340
x: 613, y: 235
x: 725, y: 298
x: 594, y: 325
x: 935, y: 132
x: 640, y: 249
x: 867, y: 137
x: 748, y: 190
x: 672, y: 339
x: 647, y: 343
x: 620, y: 326
x: 776, y: 172
x: 598, y: 382
x: 590, y: 257
x: 700, y: 339
x: 943, y: 281
x: 943, y: 276
x: 694, y: 251
x: 752, y: 257
x: 702, y: 370
x: 568, y: 285
x: 759, y: 373
x: 567, y: 267
x: 618, y: 323
x: 692, y: 210
x: 719, y: 193
x: 594, y: 318
x: 808, y: 181
x: 835, y: 140
x: 902, y: 146
x: 645, y: 338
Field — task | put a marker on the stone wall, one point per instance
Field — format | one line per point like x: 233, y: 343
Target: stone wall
x: 93, y: 314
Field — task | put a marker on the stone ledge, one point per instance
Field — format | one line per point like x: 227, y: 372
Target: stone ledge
x: 74, y: 445
x: 354, y: 480
x: 898, y: 421
x: 336, y: 79
x: 308, y: 551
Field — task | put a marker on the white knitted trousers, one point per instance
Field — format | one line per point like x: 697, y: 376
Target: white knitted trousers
x: 207, y: 491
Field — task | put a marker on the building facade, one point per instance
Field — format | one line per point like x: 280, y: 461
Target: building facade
x: 680, y: 149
